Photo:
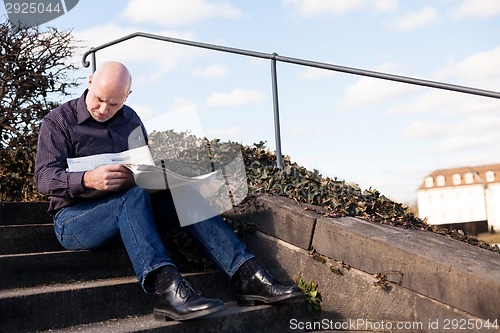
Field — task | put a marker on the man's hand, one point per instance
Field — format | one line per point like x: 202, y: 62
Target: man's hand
x: 108, y: 178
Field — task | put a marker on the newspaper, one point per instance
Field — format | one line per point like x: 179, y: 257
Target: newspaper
x: 211, y: 194
x: 153, y: 177
x: 141, y: 155
x: 140, y: 162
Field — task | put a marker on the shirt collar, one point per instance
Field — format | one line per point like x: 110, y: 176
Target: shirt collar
x: 82, y: 113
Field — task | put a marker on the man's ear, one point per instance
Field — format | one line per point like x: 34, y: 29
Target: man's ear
x: 89, y: 82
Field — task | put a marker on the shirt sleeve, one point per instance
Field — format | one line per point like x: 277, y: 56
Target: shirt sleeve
x: 51, y: 176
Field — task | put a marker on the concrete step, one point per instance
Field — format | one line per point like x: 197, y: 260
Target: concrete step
x: 20, y: 213
x: 28, y: 238
x: 45, y: 287
x: 34, y: 269
x: 39, y: 308
x: 62, y: 305
x: 364, y: 270
x: 260, y: 318
x: 375, y: 271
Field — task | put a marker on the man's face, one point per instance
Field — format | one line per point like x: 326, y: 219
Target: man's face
x: 104, y: 100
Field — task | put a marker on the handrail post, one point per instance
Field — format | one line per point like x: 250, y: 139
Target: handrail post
x: 277, y: 135
x: 94, y: 62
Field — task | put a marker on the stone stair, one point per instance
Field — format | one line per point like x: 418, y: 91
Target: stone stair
x: 44, y: 287
x: 372, y: 278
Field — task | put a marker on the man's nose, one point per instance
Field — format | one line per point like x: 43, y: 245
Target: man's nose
x: 103, y: 108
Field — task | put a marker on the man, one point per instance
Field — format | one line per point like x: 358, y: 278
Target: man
x: 99, y: 122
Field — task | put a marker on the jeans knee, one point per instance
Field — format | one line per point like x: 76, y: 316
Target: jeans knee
x: 136, y: 192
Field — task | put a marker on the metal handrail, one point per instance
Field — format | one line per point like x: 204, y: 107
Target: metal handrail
x: 275, y: 57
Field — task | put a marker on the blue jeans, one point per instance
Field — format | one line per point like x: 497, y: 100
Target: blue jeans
x: 134, y: 217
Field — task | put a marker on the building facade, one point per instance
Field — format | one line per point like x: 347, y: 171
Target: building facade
x: 466, y: 198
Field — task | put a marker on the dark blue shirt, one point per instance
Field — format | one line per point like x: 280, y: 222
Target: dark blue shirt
x: 70, y: 131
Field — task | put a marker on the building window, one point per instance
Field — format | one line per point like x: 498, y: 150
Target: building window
x: 490, y: 176
x: 440, y: 180
x: 429, y: 182
x: 457, y: 179
x: 469, y: 178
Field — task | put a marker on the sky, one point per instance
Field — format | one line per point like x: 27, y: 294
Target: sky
x: 375, y: 133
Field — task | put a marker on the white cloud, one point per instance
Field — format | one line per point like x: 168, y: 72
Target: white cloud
x: 449, y: 103
x: 316, y: 73
x: 211, y: 71
x: 477, y: 125
x: 163, y: 57
x: 433, y: 101
x: 385, y: 5
x: 308, y: 131
x: 425, y: 17
x: 180, y: 103
x: 458, y: 143
x: 369, y: 91
x: 183, y: 119
x: 424, y: 130
x: 298, y: 131
x: 237, y: 97
x: 144, y: 112
x: 315, y: 8
x: 465, y: 134
x: 476, y: 9
x: 178, y: 13
x: 326, y: 8
x: 481, y: 68
x: 233, y: 133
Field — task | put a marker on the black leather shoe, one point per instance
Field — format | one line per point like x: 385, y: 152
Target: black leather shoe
x: 180, y: 302
x: 262, y: 287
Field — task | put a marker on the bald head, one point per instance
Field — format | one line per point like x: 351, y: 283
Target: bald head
x: 113, y: 74
x: 109, y: 88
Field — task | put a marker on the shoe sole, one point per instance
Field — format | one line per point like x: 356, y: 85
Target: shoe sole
x: 250, y: 300
x: 169, y: 316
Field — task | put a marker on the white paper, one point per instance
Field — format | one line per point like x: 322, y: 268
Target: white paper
x: 146, y: 174
x: 211, y: 194
x: 153, y: 177
x: 141, y: 155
